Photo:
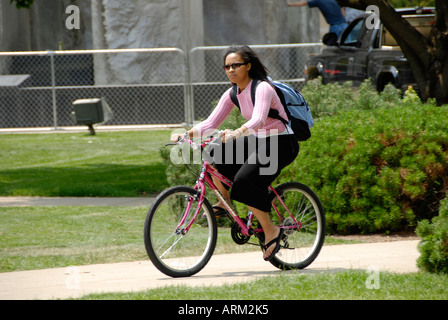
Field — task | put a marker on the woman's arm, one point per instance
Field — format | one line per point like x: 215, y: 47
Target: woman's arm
x: 264, y: 96
x: 214, y: 120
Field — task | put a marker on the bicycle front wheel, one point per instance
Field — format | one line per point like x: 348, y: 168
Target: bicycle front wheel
x: 304, y: 241
x: 176, y: 242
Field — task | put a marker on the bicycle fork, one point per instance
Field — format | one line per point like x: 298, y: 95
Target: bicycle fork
x: 199, y: 197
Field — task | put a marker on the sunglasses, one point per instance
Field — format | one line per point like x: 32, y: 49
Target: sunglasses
x: 234, y: 66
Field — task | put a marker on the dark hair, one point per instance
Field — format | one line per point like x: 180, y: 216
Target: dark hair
x: 257, y: 70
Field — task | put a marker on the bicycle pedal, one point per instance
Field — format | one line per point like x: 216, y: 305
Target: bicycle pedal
x: 285, y: 245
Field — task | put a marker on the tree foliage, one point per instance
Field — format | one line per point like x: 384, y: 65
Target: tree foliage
x: 411, y: 3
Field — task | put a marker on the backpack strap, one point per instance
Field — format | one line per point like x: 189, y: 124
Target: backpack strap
x: 272, y: 112
x: 233, y: 96
x: 233, y: 93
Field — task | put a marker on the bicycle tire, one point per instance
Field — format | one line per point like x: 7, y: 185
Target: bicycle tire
x: 305, y: 243
x: 172, y: 252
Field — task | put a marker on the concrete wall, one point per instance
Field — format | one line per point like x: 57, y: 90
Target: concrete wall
x: 119, y: 24
x: 42, y: 27
x: 155, y: 23
x: 123, y: 24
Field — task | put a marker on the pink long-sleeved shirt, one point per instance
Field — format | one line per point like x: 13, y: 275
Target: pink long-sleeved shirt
x: 265, y: 98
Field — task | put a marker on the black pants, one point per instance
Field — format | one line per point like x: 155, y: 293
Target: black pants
x: 253, y: 164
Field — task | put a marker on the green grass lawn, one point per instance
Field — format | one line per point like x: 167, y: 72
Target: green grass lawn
x: 348, y: 285
x: 48, y: 237
x: 76, y: 164
x: 129, y: 164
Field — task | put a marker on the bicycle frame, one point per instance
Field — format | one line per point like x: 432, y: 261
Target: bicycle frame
x: 207, y: 170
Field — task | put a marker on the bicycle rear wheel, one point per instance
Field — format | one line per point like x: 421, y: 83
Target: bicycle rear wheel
x: 172, y: 249
x: 303, y: 244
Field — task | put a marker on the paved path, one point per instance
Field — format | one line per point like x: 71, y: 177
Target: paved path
x: 395, y: 256
x: 73, y: 201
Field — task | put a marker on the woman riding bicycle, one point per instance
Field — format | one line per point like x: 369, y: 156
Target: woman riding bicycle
x: 269, y: 136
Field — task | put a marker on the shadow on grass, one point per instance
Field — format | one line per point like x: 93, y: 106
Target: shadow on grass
x: 93, y: 180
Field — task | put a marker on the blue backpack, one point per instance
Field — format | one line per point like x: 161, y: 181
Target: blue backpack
x: 296, y: 107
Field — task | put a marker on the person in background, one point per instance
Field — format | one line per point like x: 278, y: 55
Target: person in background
x: 351, y: 14
x: 330, y: 10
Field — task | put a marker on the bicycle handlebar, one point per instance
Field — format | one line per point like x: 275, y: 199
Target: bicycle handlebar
x: 210, y: 138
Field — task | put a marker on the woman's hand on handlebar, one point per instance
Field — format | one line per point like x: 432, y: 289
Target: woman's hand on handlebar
x: 225, y: 135
x: 175, y: 137
x: 232, y: 134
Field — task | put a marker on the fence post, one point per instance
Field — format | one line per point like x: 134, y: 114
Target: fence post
x: 188, y: 92
x: 188, y: 88
x: 53, y: 89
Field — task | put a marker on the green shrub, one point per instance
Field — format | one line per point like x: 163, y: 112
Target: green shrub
x: 179, y: 174
x: 331, y: 99
x: 376, y: 170
x: 434, y: 243
x: 378, y: 162
x: 328, y: 99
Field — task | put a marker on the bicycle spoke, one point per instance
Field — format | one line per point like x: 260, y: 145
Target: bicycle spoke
x: 179, y: 237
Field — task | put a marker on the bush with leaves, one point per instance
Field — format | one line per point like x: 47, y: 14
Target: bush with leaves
x: 434, y: 243
x: 333, y: 98
x: 377, y: 170
x: 378, y: 162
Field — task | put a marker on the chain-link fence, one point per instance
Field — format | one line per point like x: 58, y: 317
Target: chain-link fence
x: 285, y: 62
x: 142, y: 86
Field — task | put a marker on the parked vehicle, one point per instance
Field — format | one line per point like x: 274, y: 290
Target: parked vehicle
x: 366, y: 51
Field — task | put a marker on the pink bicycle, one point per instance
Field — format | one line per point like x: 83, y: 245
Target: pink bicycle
x: 180, y: 230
